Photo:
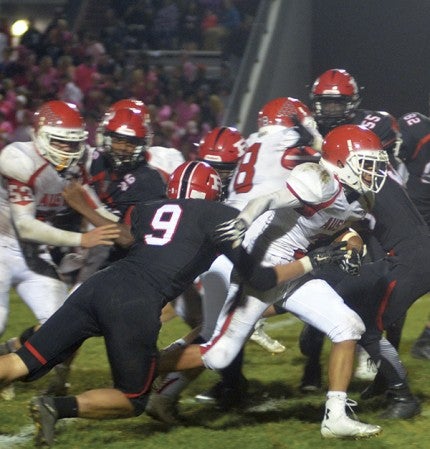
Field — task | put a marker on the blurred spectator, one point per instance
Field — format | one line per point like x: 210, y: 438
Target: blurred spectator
x: 56, y: 39
x: 139, y: 17
x: 32, y: 38
x: 210, y: 30
x: 93, y: 46
x: 68, y: 91
x: 86, y: 74
x: 190, y: 32
x: 165, y: 25
x: 5, y: 37
x: 6, y: 128
x: 47, y: 78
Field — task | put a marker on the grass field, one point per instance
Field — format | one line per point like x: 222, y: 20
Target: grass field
x: 278, y: 415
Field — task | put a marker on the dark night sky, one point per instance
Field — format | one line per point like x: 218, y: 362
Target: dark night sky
x: 384, y: 44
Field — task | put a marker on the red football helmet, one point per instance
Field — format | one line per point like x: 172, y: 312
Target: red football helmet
x: 222, y: 148
x: 194, y: 180
x: 125, y: 125
x: 59, y: 133
x: 334, y: 97
x: 139, y: 107
x: 283, y: 111
x: 355, y: 155
x: 131, y: 103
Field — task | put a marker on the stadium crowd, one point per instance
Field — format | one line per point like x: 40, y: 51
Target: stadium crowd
x: 93, y: 69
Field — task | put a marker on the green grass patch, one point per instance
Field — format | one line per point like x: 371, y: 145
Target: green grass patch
x: 278, y: 417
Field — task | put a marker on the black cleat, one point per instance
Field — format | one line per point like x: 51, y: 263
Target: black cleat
x: 44, y: 416
x: 311, y: 379
x: 421, y: 349
x: 401, y: 405
x: 226, y: 397
x: 376, y: 388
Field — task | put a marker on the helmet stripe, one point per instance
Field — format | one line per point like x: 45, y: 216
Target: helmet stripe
x: 184, y: 181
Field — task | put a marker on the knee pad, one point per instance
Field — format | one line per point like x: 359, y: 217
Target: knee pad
x: 351, y: 328
x: 139, y: 403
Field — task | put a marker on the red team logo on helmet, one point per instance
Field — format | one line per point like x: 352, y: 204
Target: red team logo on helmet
x: 196, y: 180
x: 283, y: 111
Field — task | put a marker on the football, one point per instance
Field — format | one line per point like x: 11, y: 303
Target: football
x: 352, y: 239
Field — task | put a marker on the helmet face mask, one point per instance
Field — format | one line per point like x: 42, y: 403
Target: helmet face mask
x: 59, y: 134
x: 334, y: 98
x: 196, y: 180
x: 125, y: 139
x: 355, y: 155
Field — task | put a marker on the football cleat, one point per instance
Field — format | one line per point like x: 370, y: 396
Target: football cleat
x: 339, y: 425
x: 44, y: 416
x: 224, y: 396
x: 366, y: 368
x: 8, y: 393
x: 265, y: 341
x: 402, y: 404
x: 312, y: 378
x: 163, y: 408
x: 59, y: 386
x: 421, y: 349
x: 9, y: 346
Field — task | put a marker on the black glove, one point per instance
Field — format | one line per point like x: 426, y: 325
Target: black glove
x: 230, y: 231
x: 351, y: 263
x: 325, y: 255
x: 306, y: 138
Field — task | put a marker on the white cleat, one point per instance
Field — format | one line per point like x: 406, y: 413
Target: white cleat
x: 265, y: 341
x: 366, y: 368
x: 8, y: 393
x: 339, y: 425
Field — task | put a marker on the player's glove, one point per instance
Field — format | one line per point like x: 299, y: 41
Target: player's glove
x: 351, y: 263
x: 325, y: 255
x: 231, y: 231
x: 306, y: 138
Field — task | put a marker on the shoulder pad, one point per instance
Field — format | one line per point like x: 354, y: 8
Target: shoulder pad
x: 15, y: 163
x: 312, y: 183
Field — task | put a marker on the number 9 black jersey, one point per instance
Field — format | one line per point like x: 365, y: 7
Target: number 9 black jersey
x: 174, y: 243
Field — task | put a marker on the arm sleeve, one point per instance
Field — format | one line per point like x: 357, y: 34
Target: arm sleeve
x: 275, y: 200
x: 29, y: 228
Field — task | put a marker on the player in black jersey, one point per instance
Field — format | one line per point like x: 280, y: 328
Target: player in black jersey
x: 415, y: 153
x: 174, y: 243
x: 388, y: 283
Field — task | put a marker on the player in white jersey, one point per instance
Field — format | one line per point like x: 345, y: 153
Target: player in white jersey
x: 312, y: 206
x: 33, y: 176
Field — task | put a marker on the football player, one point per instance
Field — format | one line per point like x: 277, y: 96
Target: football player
x: 312, y: 205
x: 335, y: 98
x: 33, y: 177
x: 415, y: 153
x: 174, y: 243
